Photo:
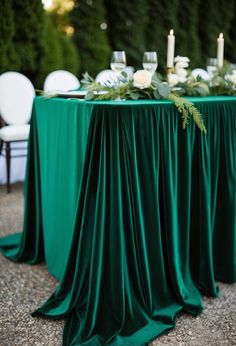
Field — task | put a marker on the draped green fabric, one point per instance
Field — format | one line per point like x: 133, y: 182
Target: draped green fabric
x: 57, y: 147
x: 135, y: 216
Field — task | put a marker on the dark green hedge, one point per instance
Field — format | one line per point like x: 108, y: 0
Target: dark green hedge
x: 139, y: 25
x: 88, y: 18
x: 31, y: 44
x: 8, y: 57
x: 126, y: 28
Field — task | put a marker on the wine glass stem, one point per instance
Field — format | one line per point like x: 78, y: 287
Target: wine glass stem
x: 118, y: 86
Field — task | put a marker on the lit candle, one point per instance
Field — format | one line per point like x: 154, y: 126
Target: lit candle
x: 170, y: 49
x: 220, y: 50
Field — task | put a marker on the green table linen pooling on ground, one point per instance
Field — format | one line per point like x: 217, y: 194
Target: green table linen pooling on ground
x: 135, y: 216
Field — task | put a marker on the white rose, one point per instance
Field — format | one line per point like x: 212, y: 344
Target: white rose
x: 232, y: 78
x: 172, y: 79
x: 181, y: 59
x: 142, y: 79
x: 182, y: 74
x: 181, y: 64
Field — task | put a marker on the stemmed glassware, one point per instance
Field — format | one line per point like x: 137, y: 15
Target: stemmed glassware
x: 211, y: 66
x: 118, y: 63
x: 150, y: 61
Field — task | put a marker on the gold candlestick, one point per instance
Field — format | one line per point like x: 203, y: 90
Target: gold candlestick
x: 169, y: 70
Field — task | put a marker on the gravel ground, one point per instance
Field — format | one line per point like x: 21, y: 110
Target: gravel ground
x: 24, y: 287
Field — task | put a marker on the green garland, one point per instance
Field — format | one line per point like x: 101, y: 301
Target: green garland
x: 158, y: 89
x: 222, y: 83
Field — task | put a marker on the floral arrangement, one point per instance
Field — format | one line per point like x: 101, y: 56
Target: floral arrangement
x: 222, y: 82
x: 142, y: 86
x: 180, y: 71
x: 179, y: 82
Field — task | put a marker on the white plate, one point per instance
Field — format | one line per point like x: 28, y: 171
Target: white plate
x: 78, y: 93
x: 75, y: 93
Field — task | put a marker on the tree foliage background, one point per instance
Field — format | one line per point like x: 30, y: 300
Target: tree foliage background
x: 88, y: 19
x: 31, y: 43
x: 79, y: 35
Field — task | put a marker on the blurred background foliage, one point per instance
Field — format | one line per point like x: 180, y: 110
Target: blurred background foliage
x: 79, y: 35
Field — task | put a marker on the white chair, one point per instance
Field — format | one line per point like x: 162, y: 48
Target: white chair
x: 200, y: 72
x: 16, y: 99
x: 107, y: 77
x: 130, y: 71
x: 61, y: 80
x: 17, y: 166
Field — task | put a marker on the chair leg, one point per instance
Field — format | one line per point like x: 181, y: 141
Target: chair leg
x: 1, y: 144
x: 8, y: 162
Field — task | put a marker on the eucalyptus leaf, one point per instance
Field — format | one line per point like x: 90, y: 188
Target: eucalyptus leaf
x: 201, y: 91
x: 89, y: 95
x: 156, y: 80
x: 163, y: 89
x: 204, y: 86
x: 134, y: 95
x: 146, y: 94
x: 156, y: 94
x: 124, y: 75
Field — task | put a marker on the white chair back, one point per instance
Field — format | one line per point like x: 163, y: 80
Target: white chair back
x: 106, y: 77
x: 16, y: 98
x: 61, y: 80
x: 130, y: 71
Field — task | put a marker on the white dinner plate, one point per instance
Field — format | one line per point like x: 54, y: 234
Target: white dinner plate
x: 72, y: 93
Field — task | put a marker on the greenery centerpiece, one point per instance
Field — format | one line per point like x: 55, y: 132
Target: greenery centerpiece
x: 142, y: 86
x: 222, y: 82
x: 180, y: 82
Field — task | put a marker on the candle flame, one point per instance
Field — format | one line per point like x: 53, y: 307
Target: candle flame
x: 171, y: 32
x: 221, y: 35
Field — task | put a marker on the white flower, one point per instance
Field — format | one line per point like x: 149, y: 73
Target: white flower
x: 232, y: 78
x: 142, y: 79
x: 172, y: 79
x: 181, y: 64
x: 181, y: 59
x: 182, y: 74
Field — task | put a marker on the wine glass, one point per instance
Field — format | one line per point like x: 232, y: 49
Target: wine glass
x: 150, y: 62
x: 118, y: 63
x: 211, y: 66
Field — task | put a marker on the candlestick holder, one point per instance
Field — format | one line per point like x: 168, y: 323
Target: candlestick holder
x: 169, y: 70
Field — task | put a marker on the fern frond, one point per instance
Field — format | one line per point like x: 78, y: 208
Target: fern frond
x: 187, y: 109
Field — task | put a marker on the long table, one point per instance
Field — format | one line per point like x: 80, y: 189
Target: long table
x: 135, y: 216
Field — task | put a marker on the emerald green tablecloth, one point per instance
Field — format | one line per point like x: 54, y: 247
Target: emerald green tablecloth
x: 132, y: 214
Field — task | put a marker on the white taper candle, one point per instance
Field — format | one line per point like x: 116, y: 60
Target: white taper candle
x: 170, y: 49
x: 220, y: 50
